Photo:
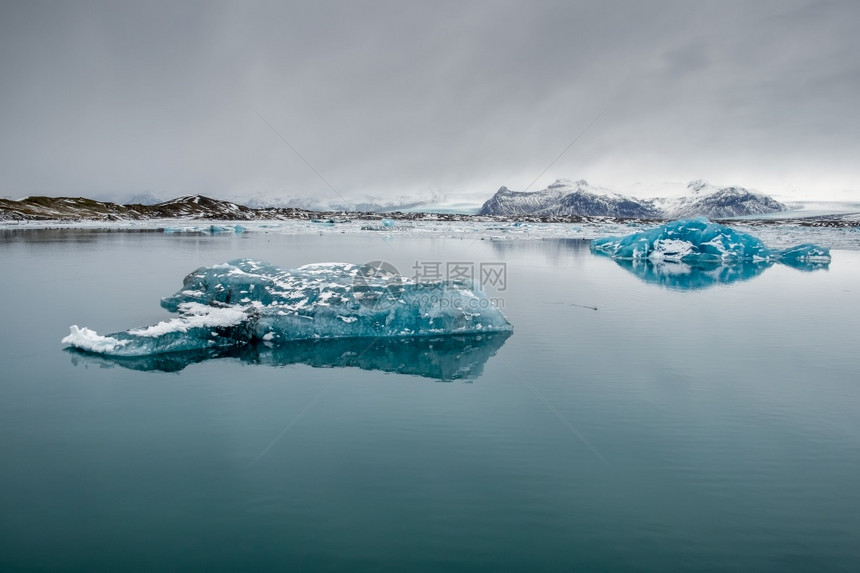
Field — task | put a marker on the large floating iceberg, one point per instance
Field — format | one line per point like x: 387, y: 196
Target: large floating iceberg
x: 246, y: 301
x: 702, y: 241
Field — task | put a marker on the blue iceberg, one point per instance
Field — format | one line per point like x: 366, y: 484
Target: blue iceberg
x: 245, y: 302
x: 695, y: 254
x: 806, y: 256
x: 702, y: 241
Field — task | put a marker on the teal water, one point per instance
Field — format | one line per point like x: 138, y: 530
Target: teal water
x: 701, y: 425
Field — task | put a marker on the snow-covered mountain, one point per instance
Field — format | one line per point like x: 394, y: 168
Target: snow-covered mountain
x: 81, y: 209
x: 566, y: 198
x: 715, y: 202
x: 191, y: 207
x: 561, y: 199
x: 367, y: 204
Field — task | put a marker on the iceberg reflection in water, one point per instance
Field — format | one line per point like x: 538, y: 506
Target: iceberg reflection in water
x: 452, y: 357
x: 702, y: 275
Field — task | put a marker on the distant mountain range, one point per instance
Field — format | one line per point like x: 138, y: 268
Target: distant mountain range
x: 81, y: 209
x: 563, y: 200
x: 578, y: 198
x: 193, y: 207
x: 325, y: 202
x: 364, y: 204
x: 567, y: 198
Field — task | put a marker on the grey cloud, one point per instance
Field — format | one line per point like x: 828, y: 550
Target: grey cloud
x: 388, y: 98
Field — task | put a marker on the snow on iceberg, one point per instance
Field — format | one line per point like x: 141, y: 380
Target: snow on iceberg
x: 246, y: 301
x: 702, y: 241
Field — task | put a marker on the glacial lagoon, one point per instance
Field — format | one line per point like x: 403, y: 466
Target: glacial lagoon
x: 639, y: 417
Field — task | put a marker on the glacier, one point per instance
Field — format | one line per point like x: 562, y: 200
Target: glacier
x: 699, y: 240
x: 246, y: 302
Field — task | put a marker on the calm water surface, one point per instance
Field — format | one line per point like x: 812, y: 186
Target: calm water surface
x: 704, y: 429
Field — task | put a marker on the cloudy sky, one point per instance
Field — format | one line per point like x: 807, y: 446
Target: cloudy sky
x: 457, y: 98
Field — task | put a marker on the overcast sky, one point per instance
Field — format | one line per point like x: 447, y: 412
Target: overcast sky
x: 405, y: 98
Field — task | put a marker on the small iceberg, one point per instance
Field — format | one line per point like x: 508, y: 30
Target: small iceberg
x: 385, y: 224
x: 206, y: 230
x: 246, y: 302
x: 694, y: 254
x: 702, y: 241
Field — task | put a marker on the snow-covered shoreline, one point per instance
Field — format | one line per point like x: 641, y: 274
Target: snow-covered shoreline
x: 775, y: 234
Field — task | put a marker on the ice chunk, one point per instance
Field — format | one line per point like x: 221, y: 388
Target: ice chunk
x: 245, y: 301
x: 197, y: 327
x: 206, y: 230
x: 701, y: 241
x: 89, y: 340
x: 805, y: 253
